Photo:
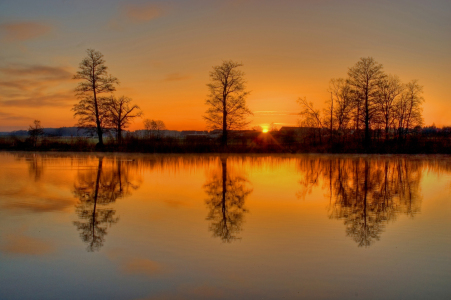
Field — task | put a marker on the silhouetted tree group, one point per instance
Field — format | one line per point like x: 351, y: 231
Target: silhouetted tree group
x: 366, y: 193
x: 101, y: 114
x: 368, y: 102
x: 96, y: 189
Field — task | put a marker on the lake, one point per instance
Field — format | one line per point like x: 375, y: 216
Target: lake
x: 135, y: 226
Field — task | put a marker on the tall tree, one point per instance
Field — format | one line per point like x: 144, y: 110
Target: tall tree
x: 408, y: 108
x: 226, y: 199
x: 93, y: 72
x: 120, y: 113
x: 364, y: 77
x: 390, y: 89
x: 227, y: 99
x: 344, y: 103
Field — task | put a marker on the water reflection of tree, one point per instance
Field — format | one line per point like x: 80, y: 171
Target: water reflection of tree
x: 367, y: 193
x: 96, y: 189
x: 226, y: 199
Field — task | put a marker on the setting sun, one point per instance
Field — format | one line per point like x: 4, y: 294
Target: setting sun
x: 265, y: 130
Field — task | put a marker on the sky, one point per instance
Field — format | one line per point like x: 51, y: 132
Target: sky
x: 163, y: 51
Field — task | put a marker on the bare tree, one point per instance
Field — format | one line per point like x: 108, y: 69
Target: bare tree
x: 364, y: 78
x: 154, y: 125
x: 390, y: 90
x: 310, y: 116
x: 273, y: 127
x: 35, y: 131
x: 227, y: 99
x: 120, y: 113
x: 408, y: 109
x: 85, y: 110
x: 344, y: 103
x: 93, y: 72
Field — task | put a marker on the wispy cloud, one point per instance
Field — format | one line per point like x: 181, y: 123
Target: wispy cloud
x: 6, y: 116
x: 141, y: 12
x: 133, y: 13
x: 19, y: 244
x: 176, y: 77
x: 21, y: 31
x: 47, y: 73
x: 275, y: 113
x: 34, y: 86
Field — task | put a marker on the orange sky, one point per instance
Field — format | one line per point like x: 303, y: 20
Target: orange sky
x: 163, y: 51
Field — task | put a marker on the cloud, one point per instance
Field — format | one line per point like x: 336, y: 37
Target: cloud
x: 132, y: 13
x: 11, y: 117
x: 21, y: 31
x: 176, y: 77
x: 25, y: 245
x: 42, y: 99
x: 45, y: 72
x: 275, y: 113
x: 139, y: 13
x: 141, y: 266
x: 35, y: 86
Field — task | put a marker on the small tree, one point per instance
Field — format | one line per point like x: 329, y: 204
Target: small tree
x: 120, y: 113
x: 35, y: 131
x: 154, y: 125
x: 93, y: 72
x: 227, y: 99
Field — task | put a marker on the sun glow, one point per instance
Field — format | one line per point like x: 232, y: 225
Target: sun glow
x: 265, y: 130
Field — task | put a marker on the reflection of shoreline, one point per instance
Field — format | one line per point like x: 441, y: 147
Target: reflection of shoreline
x: 366, y: 193
x: 96, y: 189
x: 226, y: 198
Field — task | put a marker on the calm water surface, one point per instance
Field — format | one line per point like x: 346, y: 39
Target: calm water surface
x: 94, y: 226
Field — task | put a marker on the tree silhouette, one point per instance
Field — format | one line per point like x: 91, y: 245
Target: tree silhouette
x: 35, y: 131
x: 226, y: 198
x: 96, y: 189
x: 365, y: 193
x: 120, y: 113
x: 364, y: 77
x: 91, y: 109
x: 227, y: 100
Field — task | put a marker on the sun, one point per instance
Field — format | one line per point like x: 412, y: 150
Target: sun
x: 265, y: 130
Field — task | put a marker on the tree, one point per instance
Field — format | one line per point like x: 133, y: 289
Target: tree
x: 408, y: 109
x: 227, y: 99
x: 364, y: 78
x: 227, y: 195
x: 390, y: 89
x: 344, y: 104
x: 273, y: 127
x: 93, y: 72
x: 310, y: 116
x: 120, y: 113
x: 154, y: 125
x: 35, y: 131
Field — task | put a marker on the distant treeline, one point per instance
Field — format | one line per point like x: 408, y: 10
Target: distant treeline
x: 286, y: 140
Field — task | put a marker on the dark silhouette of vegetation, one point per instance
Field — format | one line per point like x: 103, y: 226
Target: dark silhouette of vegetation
x: 226, y: 198
x: 366, y: 193
x: 120, y: 113
x: 227, y: 108
x: 96, y: 190
x: 153, y: 126
x: 35, y: 131
x: 92, y: 109
x: 368, y: 112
